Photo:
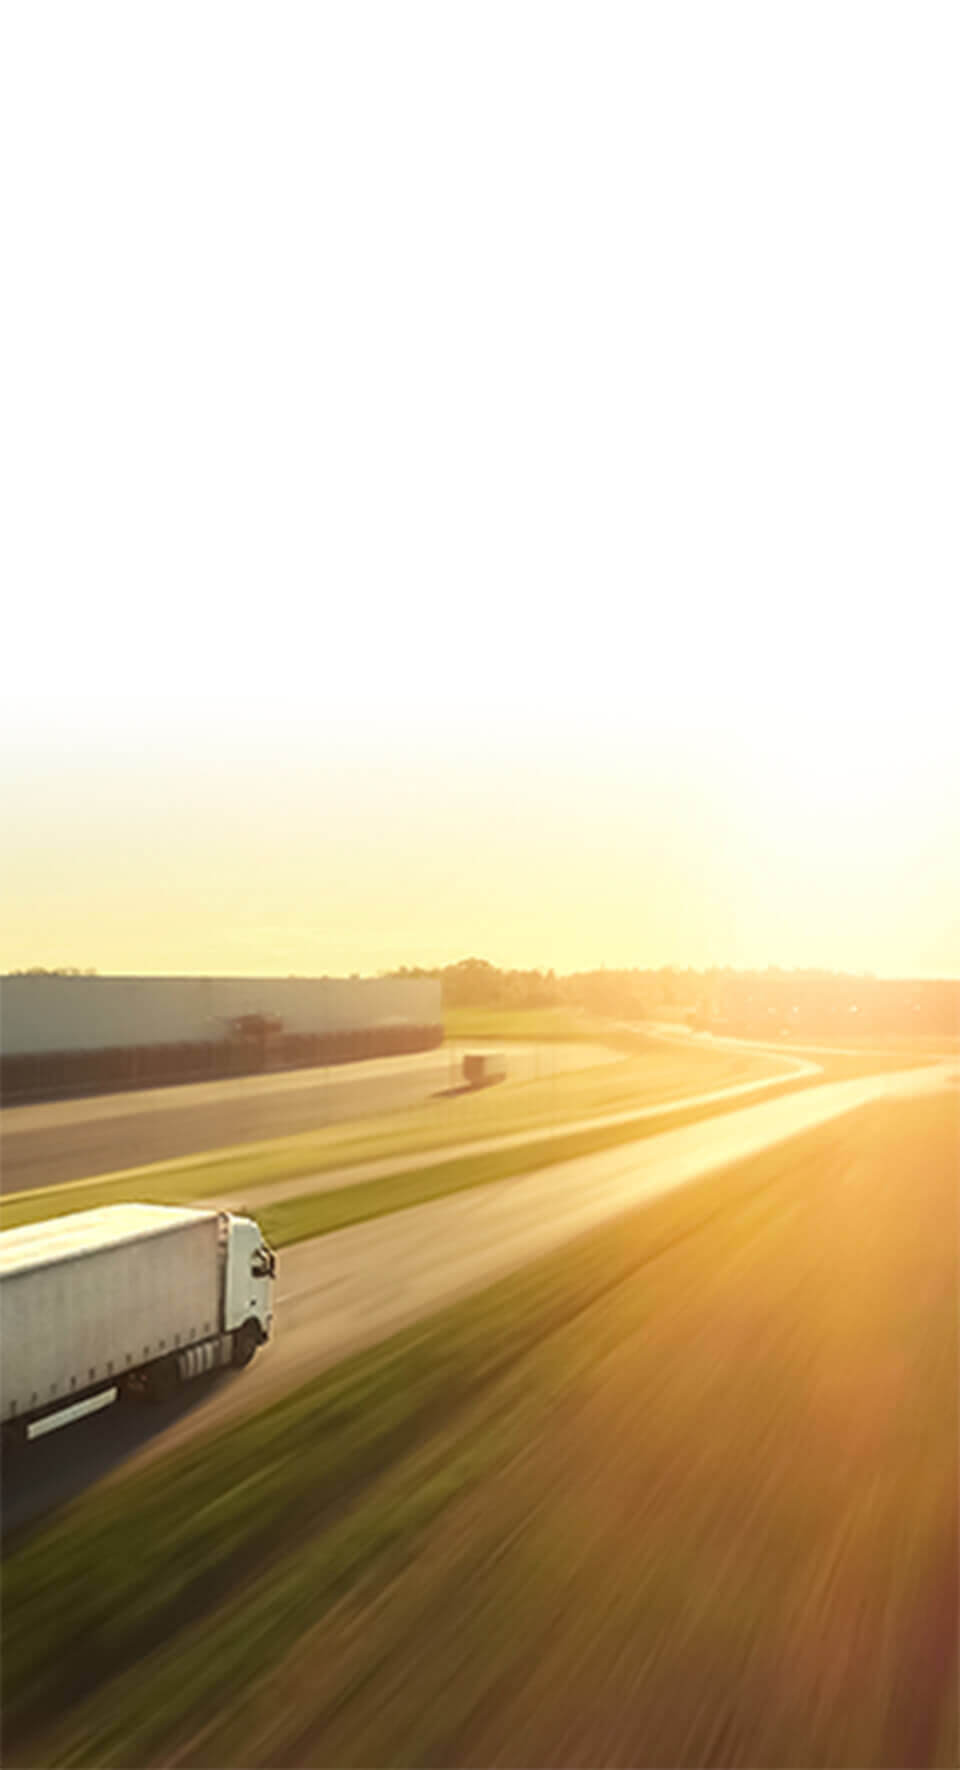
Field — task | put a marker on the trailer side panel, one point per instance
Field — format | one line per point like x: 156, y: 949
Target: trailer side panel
x: 84, y: 1320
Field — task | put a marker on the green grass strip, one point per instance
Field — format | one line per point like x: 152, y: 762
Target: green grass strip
x: 229, y: 1171
x: 542, y: 1025
x: 660, y: 1073
x: 321, y: 1213
x: 127, y: 1567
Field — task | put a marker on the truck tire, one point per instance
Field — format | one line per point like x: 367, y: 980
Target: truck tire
x: 163, y: 1379
x: 245, y: 1343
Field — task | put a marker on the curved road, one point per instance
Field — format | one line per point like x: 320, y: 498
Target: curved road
x: 62, y: 1140
x: 346, y: 1291
x: 331, y: 1179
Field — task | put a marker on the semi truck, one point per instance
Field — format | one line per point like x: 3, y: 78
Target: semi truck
x: 128, y: 1299
x: 480, y: 1068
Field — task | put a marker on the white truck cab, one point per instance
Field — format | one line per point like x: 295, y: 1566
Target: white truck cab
x: 248, y: 1280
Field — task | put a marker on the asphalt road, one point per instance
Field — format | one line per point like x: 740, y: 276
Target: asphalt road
x: 63, y: 1140
x: 332, y: 1179
x: 346, y: 1291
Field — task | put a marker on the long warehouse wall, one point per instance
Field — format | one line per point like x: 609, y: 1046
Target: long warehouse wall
x: 70, y: 1035
x: 91, y: 1013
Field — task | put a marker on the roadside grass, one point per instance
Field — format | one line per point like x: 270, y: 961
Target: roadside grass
x: 543, y: 1025
x: 320, y: 1213
x: 538, y: 1024
x: 685, y: 1492
x: 926, y: 1045
x: 621, y: 1087
x: 657, y: 1073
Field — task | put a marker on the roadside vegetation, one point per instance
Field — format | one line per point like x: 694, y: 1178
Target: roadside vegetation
x: 320, y: 1213
x: 929, y: 1045
x: 664, y: 1074
x: 505, y: 1110
x: 685, y: 1492
x: 540, y: 1024
x: 646, y: 1073
x: 580, y: 1026
x: 814, y: 1004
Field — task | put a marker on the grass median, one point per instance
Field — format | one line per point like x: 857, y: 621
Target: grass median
x: 683, y: 1493
x: 662, y: 1075
x: 320, y: 1213
x: 647, y: 1074
x: 542, y: 1025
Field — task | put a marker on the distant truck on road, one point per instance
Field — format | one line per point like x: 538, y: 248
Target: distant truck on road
x: 480, y: 1068
x: 126, y: 1299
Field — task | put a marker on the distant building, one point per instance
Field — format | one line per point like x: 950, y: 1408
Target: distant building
x: 75, y: 1034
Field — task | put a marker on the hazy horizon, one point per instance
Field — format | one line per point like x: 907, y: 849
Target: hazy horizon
x: 439, y: 965
x: 480, y: 485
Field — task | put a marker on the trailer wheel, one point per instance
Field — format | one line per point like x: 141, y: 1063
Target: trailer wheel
x: 245, y: 1343
x: 163, y: 1379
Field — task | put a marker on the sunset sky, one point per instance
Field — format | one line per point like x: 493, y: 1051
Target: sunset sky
x: 479, y: 481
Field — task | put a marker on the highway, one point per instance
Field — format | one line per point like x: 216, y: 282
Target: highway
x: 62, y: 1140
x: 348, y: 1290
x: 331, y: 1179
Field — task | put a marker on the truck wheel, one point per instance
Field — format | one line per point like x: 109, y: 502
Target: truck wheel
x: 245, y: 1343
x: 163, y: 1379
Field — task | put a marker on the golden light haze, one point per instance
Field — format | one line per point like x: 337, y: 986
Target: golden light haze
x: 480, y: 483
x: 691, y: 846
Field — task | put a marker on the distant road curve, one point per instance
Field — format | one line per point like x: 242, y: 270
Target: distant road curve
x: 331, y: 1179
x: 677, y: 1034
x: 62, y: 1140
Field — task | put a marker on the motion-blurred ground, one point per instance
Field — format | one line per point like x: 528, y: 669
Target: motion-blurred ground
x: 695, y: 1503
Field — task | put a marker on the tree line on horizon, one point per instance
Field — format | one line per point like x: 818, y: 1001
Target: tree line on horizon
x: 718, y: 998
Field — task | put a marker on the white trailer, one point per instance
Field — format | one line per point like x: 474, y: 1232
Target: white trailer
x: 128, y: 1297
x: 482, y: 1067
